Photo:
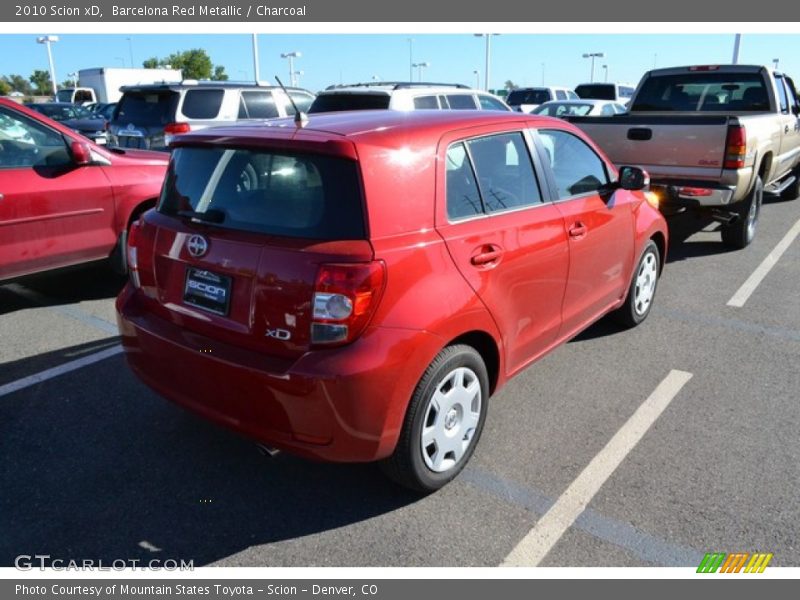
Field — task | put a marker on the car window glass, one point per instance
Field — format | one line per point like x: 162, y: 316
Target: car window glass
x: 202, y: 104
x: 607, y: 110
x: 443, y: 102
x: 25, y: 143
x: 423, y: 102
x: 463, y: 200
x: 576, y: 167
x: 505, y: 173
x: 561, y: 95
x: 490, y: 103
x: 303, y: 101
x: 258, y: 105
x: 782, y: 97
x: 461, y: 101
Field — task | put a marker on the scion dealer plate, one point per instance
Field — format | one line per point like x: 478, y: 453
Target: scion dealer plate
x: 207, y: 290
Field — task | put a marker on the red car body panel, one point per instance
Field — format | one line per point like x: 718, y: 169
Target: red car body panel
x: 57, y: 217
x: 348, y: 403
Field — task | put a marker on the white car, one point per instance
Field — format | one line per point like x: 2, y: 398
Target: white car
x: 526, y: 99
x: 579, y: 108
x: 404, y: 96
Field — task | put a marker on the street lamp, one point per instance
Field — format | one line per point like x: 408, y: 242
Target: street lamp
x: 593, y: 55
x: 775, y: 61
x: 130, y: 49
x: 74, y: 77
x: 291, y: 56
x: 48, y: 40
x: 605, y: 73
x: 477, y: 79
x: 420, y: 66
x: 297, y: 76
x: 487, y: 74
x: 410, y: 59
x: 542, y: 74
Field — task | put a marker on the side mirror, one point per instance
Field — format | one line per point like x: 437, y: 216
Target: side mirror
x: 633, y: 178
x: 81, y: 154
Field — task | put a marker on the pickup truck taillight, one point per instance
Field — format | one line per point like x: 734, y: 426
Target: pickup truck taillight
x: 345, y: 298
x: 735, y: 147
x: 174, y: 129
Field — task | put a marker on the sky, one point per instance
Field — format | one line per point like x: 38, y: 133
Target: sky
x: 526, y: 60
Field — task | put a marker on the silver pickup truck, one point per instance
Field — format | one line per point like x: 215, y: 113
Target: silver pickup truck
x: 713, y: 138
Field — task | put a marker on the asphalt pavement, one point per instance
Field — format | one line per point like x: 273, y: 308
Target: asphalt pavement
x: 97, y: 466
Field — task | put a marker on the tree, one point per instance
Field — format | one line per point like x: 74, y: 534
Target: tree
x: 18, y: 84
x: 68, y: 83
x: 219, y: 73
x: 41, y: 83
x: 151, y: 63
x: 5, y: 87
x: 510, y: 85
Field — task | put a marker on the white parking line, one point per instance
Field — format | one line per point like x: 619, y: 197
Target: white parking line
x: 749, y: 286
x: 548, y: 530
x: 14, y: 386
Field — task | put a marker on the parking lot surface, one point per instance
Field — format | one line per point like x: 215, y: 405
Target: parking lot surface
x: 97, y: 466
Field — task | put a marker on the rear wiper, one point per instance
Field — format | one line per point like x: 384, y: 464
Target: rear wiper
x: 212, y: 215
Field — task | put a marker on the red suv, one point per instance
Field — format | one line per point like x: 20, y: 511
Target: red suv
x: 356, y: 287
x: 63, y: 199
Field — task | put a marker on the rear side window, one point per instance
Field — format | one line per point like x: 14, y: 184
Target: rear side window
x: 257, y: 105
x: 147, y: 108
x: 576, y: 167
x: 489, y: 103
x: 561, y: 95
x: 275, y: 193
x: 339, y: 102
x: 463, y: 199
x: 303, y: 101
x: 461, y: 101
x: 782, y: 97
x: 518, y: 97
x: 423, y: 102
x: 703, y: 91
x: 202, y: 104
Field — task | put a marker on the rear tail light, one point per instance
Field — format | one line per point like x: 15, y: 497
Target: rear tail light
x: 735, y: 147
x: 345, y: 298
x: 174, y: 129
x: 694, y: 191
x: 133, y: 255
x: 704, y: 68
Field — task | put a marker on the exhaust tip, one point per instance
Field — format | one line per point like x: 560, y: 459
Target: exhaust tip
x: 268, y: 451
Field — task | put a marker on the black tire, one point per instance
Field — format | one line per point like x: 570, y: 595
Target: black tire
x: 118, y: 259
x: 407, y: 465
x: 634, y: 310
x: 793, y: 191
x: 741, y: 232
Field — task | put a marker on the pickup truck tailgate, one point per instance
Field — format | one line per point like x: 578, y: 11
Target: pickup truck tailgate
x: 668, y: 147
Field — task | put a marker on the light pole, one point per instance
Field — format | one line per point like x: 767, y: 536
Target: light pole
x: 410, y: 59
x: 477, y: 79
x: 256, y: 74
x: 420, y: 66
x: 775, y: 61
x: 737, y: 42
x: 542, y: 74
x: 605, y: 73
x: 291, y: 56
x: 297, y: 76
x: 74, y: 77
x: 593, y: 55
x: 48, y: 40
x: 130, y: 49
x: 487, y: 73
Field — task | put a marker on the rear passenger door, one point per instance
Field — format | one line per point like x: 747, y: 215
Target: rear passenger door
x: 505, y: 238
x: 599, y: 227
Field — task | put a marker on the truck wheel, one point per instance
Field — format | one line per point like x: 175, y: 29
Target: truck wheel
x: 642, y: 289
x: 443, y: 422
x: 793, y: 191
x: 739, y: 234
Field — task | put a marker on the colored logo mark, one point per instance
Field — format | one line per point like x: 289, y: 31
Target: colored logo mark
x: 734, y: 563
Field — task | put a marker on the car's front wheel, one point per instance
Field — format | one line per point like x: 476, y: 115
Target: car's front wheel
x: 642, y: 289
x: 444, y: 421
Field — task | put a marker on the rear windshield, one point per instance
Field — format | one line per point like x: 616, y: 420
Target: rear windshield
x: 56, y: 112
x: 704, y: 91
x: 518, y: 97
x: 596, y: 91
x: 563, y: 109
x: 293, y: 195
x: 147, y: 108
x: 337, y: 102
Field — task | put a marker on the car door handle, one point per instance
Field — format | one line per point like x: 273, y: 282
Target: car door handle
x: 578, y: 230
x: 486, y: 255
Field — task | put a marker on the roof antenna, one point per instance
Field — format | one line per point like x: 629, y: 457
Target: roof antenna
x: 300, y: 118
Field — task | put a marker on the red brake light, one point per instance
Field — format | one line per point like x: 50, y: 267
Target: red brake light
x: 735, y: 147
x: 176, y: 128
x: 694, y: 191
x: 704, y: 68
x: 345, y: 298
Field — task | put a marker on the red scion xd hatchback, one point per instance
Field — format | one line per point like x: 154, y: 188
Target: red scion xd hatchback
x: 355, y: 287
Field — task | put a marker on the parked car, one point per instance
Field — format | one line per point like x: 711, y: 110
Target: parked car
x: 148, y: 116
x: 356, y: 288
x: 526, y: 99
x: 715, y: 138
x: 579, y: 108
x: 106, y: 111
x: 404, y: 96
x: 75, y: 117
x: 615, y: 92
x: 65, y: 200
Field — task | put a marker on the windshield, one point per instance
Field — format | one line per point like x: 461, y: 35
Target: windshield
x: 294, y: 195
x: 704, y: 91
x: 518, y: 97
x: 337, y: 102
x: 563, y: 109
x: 56, y: 112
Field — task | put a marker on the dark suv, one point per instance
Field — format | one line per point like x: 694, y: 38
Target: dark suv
x: 148, y: 116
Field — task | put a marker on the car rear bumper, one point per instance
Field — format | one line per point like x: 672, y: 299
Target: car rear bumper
x: 345, y: 404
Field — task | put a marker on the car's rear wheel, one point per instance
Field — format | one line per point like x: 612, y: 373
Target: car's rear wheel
x: 642, y: 289
x: 741, y: 232
x: 444, y: 421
